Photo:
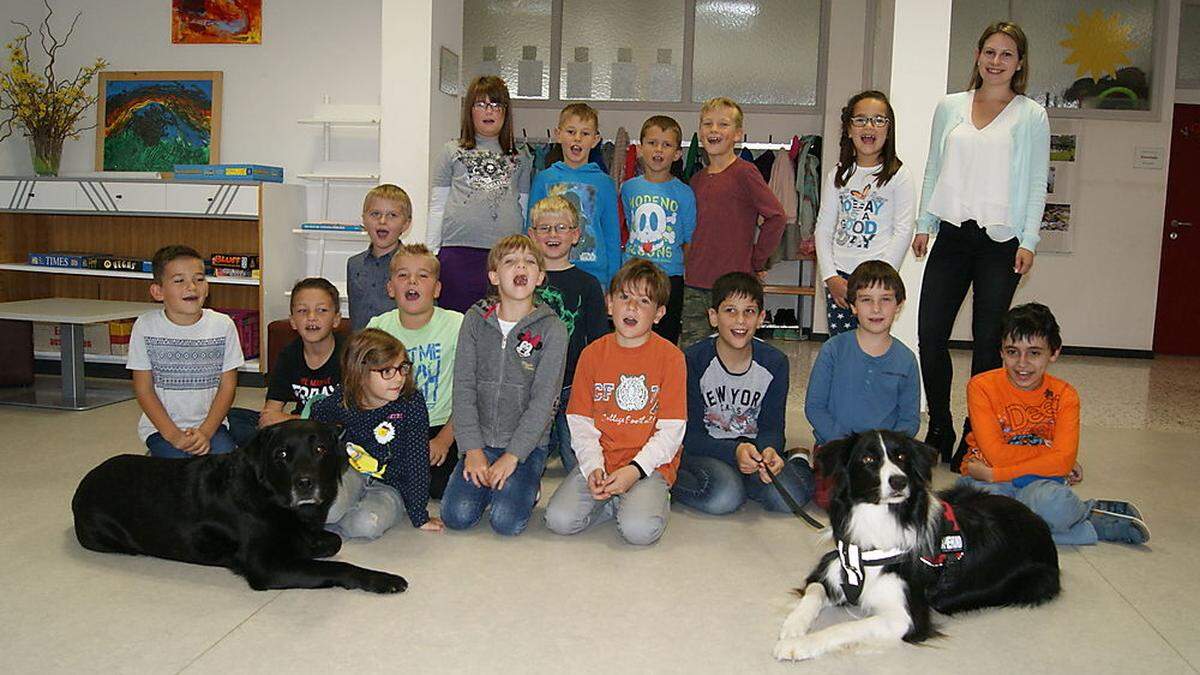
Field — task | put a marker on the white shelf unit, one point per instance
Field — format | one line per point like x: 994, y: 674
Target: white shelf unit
x: 134, y: 217
x: 41, y: 269
x: 251, y: 365
x: 329, y: 117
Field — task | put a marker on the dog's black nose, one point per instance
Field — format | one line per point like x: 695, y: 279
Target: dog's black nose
x: 898, y: 482
x: 304, y: 483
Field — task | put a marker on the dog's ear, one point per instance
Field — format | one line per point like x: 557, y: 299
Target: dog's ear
x: 257, y: 450
x: 832, y: 457
x: 923, y: 457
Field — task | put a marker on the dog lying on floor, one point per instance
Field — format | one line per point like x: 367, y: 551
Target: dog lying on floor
x: 260, y: 510
x: 901, y: 549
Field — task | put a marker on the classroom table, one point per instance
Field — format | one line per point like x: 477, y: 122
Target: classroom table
x: 72, y: 314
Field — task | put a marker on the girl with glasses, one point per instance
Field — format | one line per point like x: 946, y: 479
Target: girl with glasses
x: 385, y: 425
x: 478, y: 195
x: 868, y: 208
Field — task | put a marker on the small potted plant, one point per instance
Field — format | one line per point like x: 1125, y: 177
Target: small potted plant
x: 42, y: 106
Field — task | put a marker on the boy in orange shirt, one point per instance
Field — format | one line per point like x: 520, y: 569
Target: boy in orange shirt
x: 627, y: 415
x: 1025, y: 437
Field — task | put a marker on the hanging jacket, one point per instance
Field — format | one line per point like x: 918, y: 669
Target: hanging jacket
x: 692, y: 162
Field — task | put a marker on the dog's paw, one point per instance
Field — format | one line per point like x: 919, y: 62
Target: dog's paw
x: 326, y: 544
x: 795, y: 649
x: 796, y: 625
x: 382, y: 582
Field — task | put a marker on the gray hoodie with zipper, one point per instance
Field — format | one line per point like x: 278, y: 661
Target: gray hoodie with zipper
x: 505, y: 388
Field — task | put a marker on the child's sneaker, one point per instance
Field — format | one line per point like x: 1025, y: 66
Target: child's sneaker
x: 1119, y: 527
x: 1118, y: 506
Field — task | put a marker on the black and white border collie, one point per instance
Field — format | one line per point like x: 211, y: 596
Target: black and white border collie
x: 901, y: 550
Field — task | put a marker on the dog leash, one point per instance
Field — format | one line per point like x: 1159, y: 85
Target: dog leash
x: 791, y: 501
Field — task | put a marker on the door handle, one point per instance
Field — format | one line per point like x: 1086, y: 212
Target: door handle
x: 1179, y: 223
x: 1174, y: 235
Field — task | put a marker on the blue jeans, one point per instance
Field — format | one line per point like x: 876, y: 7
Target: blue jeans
x: 710, y: 485
x: 365, y: 507
x: 463, y: 503
x: 560, y: 433
x: 1058, y: 505
x: 641, y: 512
x: 221, y: 443
x: 243, y: 424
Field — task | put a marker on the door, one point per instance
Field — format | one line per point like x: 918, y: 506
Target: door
x: 1177, y: 317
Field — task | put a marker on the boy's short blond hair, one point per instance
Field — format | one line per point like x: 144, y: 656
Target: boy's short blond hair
x: 553, y: 205
x: 583, y: 111
x: 723, y: 102
x: 510, y: 244
x: 641, y: 274
x: 415, y: 251
x: 391, y: 193
x: 665, y: 123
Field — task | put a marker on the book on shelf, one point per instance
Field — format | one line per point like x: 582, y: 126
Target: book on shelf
x: 329, y: 226
x: 234, y: 272
x: 242, y: 173
x: 238, y: 261
x: 115, y: 263
x: 70, y: 259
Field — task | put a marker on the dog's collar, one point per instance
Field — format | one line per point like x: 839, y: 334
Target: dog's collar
x: 855, y: 560
x: 952, y: 545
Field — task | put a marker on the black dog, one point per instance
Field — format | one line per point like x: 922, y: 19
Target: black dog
x: 259, y: 510
x: 901, y: 550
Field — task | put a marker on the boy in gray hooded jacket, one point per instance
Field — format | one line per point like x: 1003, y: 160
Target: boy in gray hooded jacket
x: 508, y: 372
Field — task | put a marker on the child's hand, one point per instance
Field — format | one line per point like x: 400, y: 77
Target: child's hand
x: 438, y: 450
x: 1076, y: 475
x: 619, y: 481
x: 837, y: 288
x: 771, y: 462
x: 500, y: 470
x: 977, y: 469
x: 433, y: 525
x: 596, y: 483
x: 747, y: 458
x: 193, y: 442
x: 475, y: 468
x: 920, y: 245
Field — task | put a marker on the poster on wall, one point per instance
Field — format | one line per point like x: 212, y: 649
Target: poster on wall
x: 216, y: 22
x: 153, y: 120
x: 1062, y: 147
x: 1056, y: 230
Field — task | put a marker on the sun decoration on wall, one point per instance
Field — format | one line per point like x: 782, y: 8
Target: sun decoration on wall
x: 1098, y: 44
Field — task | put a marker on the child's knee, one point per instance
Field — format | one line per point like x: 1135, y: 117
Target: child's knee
x: 509, y: 520
x: 564, y: 520
x: 363, y: 524
x: 459, y: 514
x: 642, y: 530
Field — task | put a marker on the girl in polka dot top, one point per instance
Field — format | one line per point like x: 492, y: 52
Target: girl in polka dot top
x: 387, y: 437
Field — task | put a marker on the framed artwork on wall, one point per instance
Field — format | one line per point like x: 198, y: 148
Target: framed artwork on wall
x: 153, y: 120
x: 216, y: 22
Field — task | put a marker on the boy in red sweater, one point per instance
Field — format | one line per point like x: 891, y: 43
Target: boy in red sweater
x: 731, y: 196
x: 1025, y: 436
x: 627, y: 415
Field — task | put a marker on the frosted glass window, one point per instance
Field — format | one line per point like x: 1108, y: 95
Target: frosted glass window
x: 509, y: 38
x: 1189, y: 47
x: 757, y: 51
x: 1093, y: 54
x: 622, y: 50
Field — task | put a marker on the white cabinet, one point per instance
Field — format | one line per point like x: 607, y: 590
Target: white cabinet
x: 51, y: 195
x: 212, y: 200
x: 136, y: 197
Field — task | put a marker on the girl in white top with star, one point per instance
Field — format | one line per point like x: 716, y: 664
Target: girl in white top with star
x: 387, y: 437
x: 867, y: 203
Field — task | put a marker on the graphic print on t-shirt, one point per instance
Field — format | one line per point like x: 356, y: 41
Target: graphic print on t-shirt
x: 631, y: 395
x: 858, y: 223
x: 309, y: 387
x: 732, y: 403
x: 185, y: 364
x: 1030, y: 425
x: 426, y: 362
x: 583, y: 197
x: 652, y: 228
x: 553, y: 298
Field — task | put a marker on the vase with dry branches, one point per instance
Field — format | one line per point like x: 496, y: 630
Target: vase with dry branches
x: 40, y: 105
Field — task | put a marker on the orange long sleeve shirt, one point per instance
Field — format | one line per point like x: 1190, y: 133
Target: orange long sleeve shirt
x: 1021, y: 433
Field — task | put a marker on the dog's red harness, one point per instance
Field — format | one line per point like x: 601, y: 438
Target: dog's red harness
x: 952, y: 544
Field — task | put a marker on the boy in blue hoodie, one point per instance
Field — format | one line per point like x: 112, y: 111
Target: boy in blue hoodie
x: 589, y: 189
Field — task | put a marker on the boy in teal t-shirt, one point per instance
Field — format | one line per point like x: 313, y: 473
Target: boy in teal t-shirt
x: 430, y: 335
x: 660, y: 211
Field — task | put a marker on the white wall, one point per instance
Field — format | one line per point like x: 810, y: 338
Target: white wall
x: 310, y: 48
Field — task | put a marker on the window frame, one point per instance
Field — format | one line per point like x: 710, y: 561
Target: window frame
x: 556, y: 101
x: 1158, y: 57
x: 1183, y: 83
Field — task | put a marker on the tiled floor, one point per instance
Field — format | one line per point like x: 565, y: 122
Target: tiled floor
x: 708, y: 598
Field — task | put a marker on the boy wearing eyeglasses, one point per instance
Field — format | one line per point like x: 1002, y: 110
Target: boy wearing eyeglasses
x: 430, y: 335
x: 660, y: 211
x: 507, y: 375
x: 387, y: 215
x: 574, y: 295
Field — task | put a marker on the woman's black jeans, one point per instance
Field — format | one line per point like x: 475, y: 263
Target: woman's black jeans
x: 962, y: 256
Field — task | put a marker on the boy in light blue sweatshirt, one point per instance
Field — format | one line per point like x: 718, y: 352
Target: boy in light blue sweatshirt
x: 865, y: 379
x: 589, y: 189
